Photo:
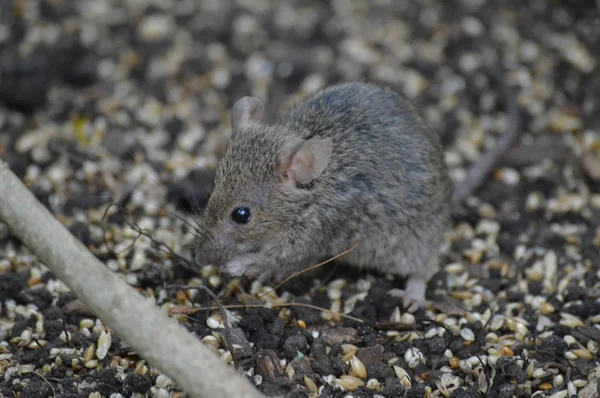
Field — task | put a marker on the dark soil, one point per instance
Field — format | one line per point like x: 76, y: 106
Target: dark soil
x: 126, y: 104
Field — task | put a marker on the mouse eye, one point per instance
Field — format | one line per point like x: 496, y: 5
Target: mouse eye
x: 241, y: 215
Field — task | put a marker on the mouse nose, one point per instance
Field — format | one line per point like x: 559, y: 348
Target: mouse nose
x: 210, y: 249
x: 202, y: 257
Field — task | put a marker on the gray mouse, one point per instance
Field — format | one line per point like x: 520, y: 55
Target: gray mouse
x: 352, y: 164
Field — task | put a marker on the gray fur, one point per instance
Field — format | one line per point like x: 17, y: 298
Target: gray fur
x: 385, y: 186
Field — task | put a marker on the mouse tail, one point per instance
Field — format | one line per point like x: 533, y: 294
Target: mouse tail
x: 479, y: 171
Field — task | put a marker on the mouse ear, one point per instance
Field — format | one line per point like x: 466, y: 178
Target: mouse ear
x: 246, y: 109
x: 303, y: 162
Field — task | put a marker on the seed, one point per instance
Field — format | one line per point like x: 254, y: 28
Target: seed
x: 558, y: 380
x: 507, y: 352
x: 448, y: 382
x: 454, y: 268
x: 497, y: 322
x: 462, y: 294
x: 403, y: 376
x: 570, y: 355
x: 491, y: 337
x: 140, y: 368
x: 580, y: 383
x: 310, y: 384
x: 401, y: 336
x: 212, y: 322
x: 546, y: 308
x: 465, y: 365
x: 163, y: 381
x: 346, y: 348
x: 349, y: 351
x: 550, y: 265
x: 23, y: 369
x: 454, y: 362
x: 349, y: 383
x: 26, y: 337
x: 104, y: 342
x: 482, y: 382
x: 571, y: 389
x: 99, y: 327
x: 560, y: 394
x: 88, y: 354
x: 517, y: 326
x: 301, y: 324
x: 569, y: 339
x: 211, y: 341
x: 258, y: 379
x: 91, y: 364
x: 539, y: 373
x: 396, y: 316
x: 207, y: 271
x: 583, y: 353
x: 358, y: 367
x: 181, y: 296
x: 334, y: 294
x: 407, y: 319
x: 329, y: 379
x: 536, y: 272
x: 474, y: 361
x: 348, y: 356
x: 533, y: 201
x: 507, y: 340
x: 493, y: 358
x: 39, y: 327
x: 545, y: 386
x: 432, y: 332
x: 214, y: 281
x: 373, y: 384
x: 413, y: 356
x: 86, y: 323
x: 474, y: 255
x: 467, y: 334
x: 227, y: 357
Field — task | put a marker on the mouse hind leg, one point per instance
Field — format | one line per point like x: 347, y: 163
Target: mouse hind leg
x: 418, y: 264
x: 402, y: 256
x: 413, y: 293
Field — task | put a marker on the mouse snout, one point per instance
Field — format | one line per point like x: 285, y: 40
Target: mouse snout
x: 212, y: 249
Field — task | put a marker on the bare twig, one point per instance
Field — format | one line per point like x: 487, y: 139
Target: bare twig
x: 154, y: 336
x: 140, y: 232
x: 46, y: 380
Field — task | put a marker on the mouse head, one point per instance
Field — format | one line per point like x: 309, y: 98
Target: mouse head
x: 259, y: 193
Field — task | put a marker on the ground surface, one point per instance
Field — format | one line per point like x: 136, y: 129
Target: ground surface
x: 101, y: 102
